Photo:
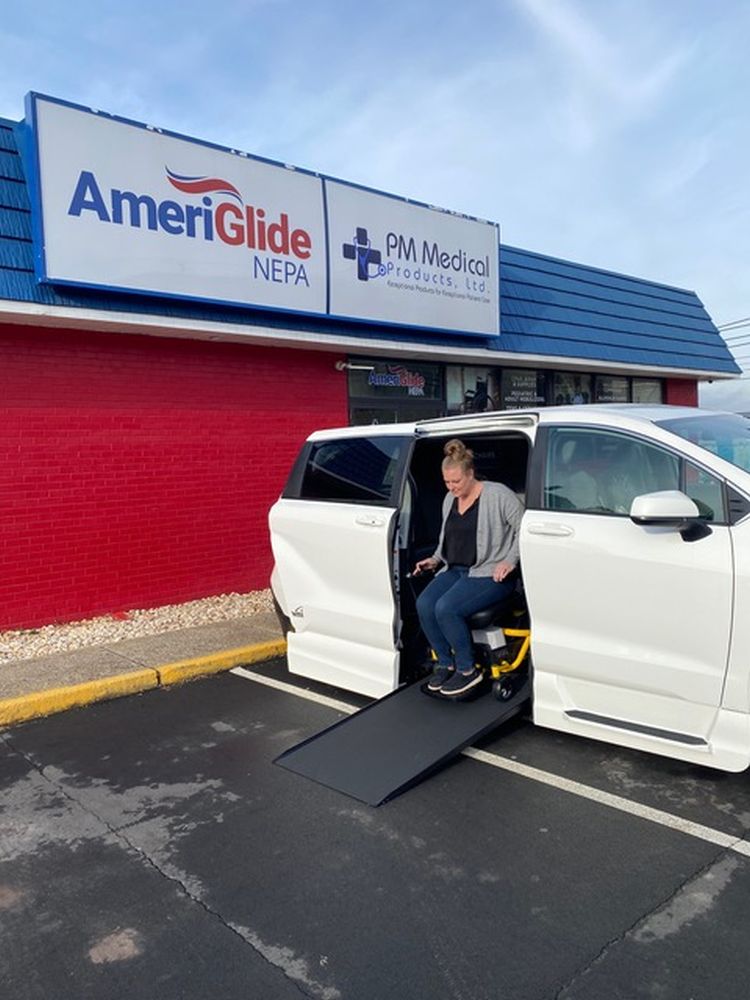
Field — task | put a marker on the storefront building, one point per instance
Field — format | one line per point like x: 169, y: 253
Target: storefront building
x: 175, y: 318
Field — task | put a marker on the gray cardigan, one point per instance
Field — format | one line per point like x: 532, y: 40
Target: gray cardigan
x: 498, y: 523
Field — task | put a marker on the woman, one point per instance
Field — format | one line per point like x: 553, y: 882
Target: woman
x: 476, y: 555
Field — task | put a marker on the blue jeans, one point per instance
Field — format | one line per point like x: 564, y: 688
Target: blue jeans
x: 446, y: 603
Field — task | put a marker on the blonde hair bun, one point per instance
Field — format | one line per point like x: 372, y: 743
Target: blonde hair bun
x: 456, y: 453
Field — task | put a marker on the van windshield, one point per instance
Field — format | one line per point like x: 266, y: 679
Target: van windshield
x: 724, y: 434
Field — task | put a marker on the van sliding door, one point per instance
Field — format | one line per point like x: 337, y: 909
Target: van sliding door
x: 332, y: 535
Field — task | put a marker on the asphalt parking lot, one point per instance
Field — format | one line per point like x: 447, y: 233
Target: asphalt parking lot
x: 149, y: 847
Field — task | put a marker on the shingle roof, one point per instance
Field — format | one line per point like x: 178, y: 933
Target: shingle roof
x: 549, y: 307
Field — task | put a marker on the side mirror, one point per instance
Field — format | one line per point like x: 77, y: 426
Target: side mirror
x: 670, y: 509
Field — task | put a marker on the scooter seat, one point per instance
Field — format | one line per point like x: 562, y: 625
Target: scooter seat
x: 506, y: 613
x: 487, y: 616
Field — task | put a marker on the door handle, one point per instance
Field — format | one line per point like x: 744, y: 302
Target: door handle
x: 556, y: 530
x: 369, y: 521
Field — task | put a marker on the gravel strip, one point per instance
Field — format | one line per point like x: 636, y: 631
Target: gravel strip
x: 26, y: 644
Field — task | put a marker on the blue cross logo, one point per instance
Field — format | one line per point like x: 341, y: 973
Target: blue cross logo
x: 360, y: 249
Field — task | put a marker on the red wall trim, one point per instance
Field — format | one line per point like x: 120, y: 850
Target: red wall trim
x: 138, y: 471
x: 681, y: 392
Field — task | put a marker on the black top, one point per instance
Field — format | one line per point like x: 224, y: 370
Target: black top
x: 460, y: 541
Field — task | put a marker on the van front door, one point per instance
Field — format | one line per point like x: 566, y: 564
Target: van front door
x: 630, y: 624
x: 332, y: 534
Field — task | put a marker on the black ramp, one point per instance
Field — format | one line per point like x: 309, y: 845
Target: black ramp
x: 393, y: 743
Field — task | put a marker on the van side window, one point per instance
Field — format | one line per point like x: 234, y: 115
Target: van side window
x: 707, y: 492
x: 602, y: 472
x: 353, y: 470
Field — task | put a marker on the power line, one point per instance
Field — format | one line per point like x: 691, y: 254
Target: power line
x: 734, y: 322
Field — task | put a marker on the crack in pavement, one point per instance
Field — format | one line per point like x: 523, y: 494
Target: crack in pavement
x: 643, y: 920
x: 293, y: 970
x: 129, y: 659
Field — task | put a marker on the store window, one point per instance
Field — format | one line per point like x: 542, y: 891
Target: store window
x: 569, y: 387
x: 386, y: 392
x: 472, y: 389
x: 647, y: 390
x: 522, y: 387
x: 382, y: 391
x: 611, y: 389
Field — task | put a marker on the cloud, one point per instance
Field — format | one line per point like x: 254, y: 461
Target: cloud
x: 606, y: 84
x: 693, y: 157
x: 613, y: 134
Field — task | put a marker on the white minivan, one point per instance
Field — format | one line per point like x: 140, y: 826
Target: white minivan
x: 635, y: 556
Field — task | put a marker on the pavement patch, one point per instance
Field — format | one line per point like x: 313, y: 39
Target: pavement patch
x: 117, y: 947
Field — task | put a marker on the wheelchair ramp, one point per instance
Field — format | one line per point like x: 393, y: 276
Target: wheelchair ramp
x: 395, y: 742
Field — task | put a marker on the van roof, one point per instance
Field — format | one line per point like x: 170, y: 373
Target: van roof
x: 623, y: 413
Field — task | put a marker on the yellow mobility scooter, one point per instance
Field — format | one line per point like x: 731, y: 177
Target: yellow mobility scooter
x: 501, y: 637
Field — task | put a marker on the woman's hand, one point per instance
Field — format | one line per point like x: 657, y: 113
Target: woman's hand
x: 428, y: 565
x: 502, y: 570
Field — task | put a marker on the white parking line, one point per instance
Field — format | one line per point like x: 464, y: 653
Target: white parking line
x: 677, y: 823
x: 686, y: 826
x: 320, y: 699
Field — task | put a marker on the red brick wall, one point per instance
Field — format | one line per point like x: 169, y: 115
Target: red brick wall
x: 137, y: 471
x: 681, y: 392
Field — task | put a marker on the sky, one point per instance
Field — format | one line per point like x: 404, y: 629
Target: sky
x: 615, y: 133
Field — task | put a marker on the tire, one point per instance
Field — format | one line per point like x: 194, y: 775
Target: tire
x: 502, y: 689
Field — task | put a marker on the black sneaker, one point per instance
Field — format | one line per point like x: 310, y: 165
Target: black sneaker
x: 439, y: 676
x: 461, y: 683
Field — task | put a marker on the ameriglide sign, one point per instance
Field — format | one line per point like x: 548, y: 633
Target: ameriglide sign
x: 124, y: 206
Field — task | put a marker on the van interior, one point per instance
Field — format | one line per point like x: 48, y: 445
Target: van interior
x: 499, y: 457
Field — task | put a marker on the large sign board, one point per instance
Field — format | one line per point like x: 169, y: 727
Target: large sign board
x: 413, y: 266
x: 123, y: 206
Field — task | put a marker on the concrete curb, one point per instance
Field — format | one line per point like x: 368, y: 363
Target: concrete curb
x: 53, y: 700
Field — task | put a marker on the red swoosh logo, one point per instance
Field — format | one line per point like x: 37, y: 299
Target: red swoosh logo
x: 202, y: 185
